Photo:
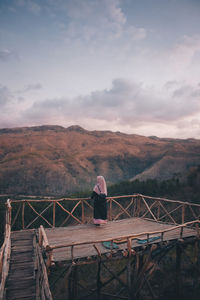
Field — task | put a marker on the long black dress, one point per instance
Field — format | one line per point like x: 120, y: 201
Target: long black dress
x: 100, y: 206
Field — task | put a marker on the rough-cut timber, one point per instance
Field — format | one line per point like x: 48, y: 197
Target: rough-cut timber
x: 21, y: 281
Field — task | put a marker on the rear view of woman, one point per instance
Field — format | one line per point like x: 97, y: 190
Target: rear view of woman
x: 100, y: 205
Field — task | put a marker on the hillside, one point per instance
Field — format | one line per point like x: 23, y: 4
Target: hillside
x: 56, y: 161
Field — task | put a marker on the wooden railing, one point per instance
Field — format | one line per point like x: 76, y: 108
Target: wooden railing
x: 42, y: 284
x: 5, y: 250
x: 61, y: 212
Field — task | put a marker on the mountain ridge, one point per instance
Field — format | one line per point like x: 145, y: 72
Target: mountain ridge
x: 51, y: 159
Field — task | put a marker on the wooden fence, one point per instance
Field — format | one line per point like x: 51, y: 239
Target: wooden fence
x: 5, y: 250
x: 61, y: 212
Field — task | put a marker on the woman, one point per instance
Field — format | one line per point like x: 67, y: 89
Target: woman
x: 100, y: 205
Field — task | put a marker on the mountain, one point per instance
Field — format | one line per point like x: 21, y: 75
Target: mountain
x: 54, y: 160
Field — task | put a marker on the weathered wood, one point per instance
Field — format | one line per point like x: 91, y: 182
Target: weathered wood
x: 23, y: 207
x: 71, y: 214
x: 178, y: 270
x: 110, y: 210
x: 126, y: 212
x: 132, y: 236
x: 39, y: 215
x: 168, y: 214
x: 149, y: 210
x: 54, y: 214
x: 82, y: 212
x: 67, y: 211
x: 126, y: 208
x: 17, y: 214
x: 43, y: 240
x: 43, y: 270
x: 183, y: 214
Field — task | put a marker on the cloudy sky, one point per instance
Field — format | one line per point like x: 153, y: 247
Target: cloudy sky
x: 122, y: 65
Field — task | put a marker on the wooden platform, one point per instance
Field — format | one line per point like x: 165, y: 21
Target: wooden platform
x: 112, y: 230
x: 21, y: 283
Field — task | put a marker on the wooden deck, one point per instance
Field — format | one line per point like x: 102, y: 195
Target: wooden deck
x: 89, y: 233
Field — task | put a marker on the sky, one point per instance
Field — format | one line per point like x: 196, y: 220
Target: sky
x: 122, y: 65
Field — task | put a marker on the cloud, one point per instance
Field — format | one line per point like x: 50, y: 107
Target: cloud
x: 127, y: 106
x: 127, y: 102
x: 95, y: 21
x: 30, y: 88
x: 7, y: 55
x: 184, y: 51
x: 5, y: 96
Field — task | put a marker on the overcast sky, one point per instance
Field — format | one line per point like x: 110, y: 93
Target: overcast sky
x: 122, y: 65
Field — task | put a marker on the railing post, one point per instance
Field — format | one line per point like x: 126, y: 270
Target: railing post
x: 54, y: 213
x: 82, y: 212
x: 138, y: 205
x: 158, y: 212
x: 23, y: 205
x: 183, y: 214
x: 110, y: 209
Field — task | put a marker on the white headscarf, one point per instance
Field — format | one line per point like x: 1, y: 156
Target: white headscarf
x: 100, y: 187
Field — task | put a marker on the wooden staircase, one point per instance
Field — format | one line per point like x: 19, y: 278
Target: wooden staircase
x: 21, y: 281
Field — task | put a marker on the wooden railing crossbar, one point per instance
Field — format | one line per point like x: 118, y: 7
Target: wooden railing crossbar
x: 67, y: 211
x: 170, y: 212
x: 69, y: 215
x: 122, y: 208
x: 137, y: 201
x: 125, y: 209
x: 152, y: 205
x: 148, y: 208
x: 40, y: 214
x: 172, y: 219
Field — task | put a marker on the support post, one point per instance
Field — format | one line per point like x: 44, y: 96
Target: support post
x: 178, y: 269
x: 99, y: 279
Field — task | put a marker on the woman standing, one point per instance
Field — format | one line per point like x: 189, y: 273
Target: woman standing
x: 100, y: 205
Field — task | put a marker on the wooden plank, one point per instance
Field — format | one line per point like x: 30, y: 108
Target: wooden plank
x: 87, y: 232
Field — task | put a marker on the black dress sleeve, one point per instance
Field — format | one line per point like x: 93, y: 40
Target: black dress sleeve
x: 93, y: 195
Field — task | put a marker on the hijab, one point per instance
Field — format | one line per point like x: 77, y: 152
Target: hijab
x: 100, y: 187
